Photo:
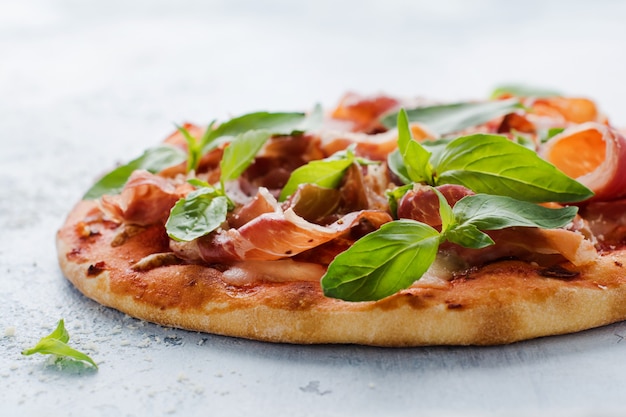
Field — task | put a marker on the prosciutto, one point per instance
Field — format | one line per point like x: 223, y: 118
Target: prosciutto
x: 595, y: 155
x: 272, y: 235
x: 145, y: 199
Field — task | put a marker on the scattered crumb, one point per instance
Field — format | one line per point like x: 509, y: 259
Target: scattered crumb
x: 219, y: 375
x: 182, y: 377
x: 90, y: 346
x: 371, y: 385
x: 198, y: 389
x: 125, y: 342
x: 144, y: 343
x: 117, y: 329
x: 9, y: 331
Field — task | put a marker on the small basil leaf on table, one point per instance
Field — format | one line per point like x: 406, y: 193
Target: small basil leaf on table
x: 56, y: 344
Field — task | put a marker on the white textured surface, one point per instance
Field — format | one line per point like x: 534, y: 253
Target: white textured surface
x: 84, y: 84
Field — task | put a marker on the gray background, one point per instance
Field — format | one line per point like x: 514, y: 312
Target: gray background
x: 86, y: 84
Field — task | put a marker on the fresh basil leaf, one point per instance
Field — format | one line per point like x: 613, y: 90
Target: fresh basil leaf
x: 469, y: 236
x: 448, y: 219
x: 56, y: 344
x: 325, y: 173
x: 394, y: 196
x: 415, y: 156
x: 493, y: 212
x: 194, y: 152
x: 449, y: 118
x: 521, y: 90
x: 198, y: 214
x: 153, y: 160
x: 493, y: 164
x: 397, y: 166
x: 382, y: 262
x: 550, y: 133
x: 240, y: 153
x: 274, y: 123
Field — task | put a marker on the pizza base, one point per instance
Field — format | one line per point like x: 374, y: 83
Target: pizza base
x: 503, y: 302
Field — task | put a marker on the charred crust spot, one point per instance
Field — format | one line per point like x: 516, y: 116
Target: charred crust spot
x: 558, y: 272
x: 310, y: 241
x: 95, y: 269
x: 618, y: 264
x: 74, y: 254
x: 288, y: 252
x: 454, y: 306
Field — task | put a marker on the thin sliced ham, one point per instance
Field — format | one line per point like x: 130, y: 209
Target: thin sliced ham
x: 595, y: 155
x: 531, y: 244
x: 272, y: 235
x: 145, y: 199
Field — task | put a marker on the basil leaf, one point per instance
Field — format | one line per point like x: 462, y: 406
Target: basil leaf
x: 394, y: 196
x: 448, y: 219
x: 492, y: 212
x: 153, y: 160
x: 550, y: 133
x: 240, y: 153
x: 194, y: 150
x: 493, y: 164
x: 397, y: 166
x: 198, y: 214
x: 325, y: 173
x: 469, y: 236
x: 56, y: 344
x: 274, y: 123
x: 382, y: 262
x: 520, y: 90
x: 449, y: 118
x: 415, y: 157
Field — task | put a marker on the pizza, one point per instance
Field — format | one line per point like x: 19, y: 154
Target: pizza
x: 385, y: 221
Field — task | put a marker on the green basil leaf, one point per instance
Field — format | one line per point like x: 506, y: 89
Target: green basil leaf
x: 448, y: 219
x: 469, y: 236
x: 198, y: 214
x: 397, y: 166
x: 325, y: 173
x: 550, y: 133
x: 493, y: 164
x: 521, y: 90
x: 153, y: 160
x: 449, y: 118
x: 274, y: 123
x: 56, y: 344
x: 382, y: 262
x: 240, y: 153
x: 493, y: 212
x: 194, y: 150
x: 415, y: 156
x: 394, y: 196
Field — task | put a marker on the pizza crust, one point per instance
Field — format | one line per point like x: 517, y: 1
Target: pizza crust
x: 503, y: 302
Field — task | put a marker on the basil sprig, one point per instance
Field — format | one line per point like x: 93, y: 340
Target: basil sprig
x: 400, y: 252
x: 277, y: 123
x: 521, y: 90
x: 484, y: 163
x: 56, y: 344
x: 205, y: 209
x: 449, y: 118
x: 153, y: 160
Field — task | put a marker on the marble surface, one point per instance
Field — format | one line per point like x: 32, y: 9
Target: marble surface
x: 84, y: 84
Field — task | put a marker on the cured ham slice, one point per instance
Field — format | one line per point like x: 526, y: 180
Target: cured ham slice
x: 422, y: 204
x: 530, y: 244
x: 271, y: 236
x: 146, y: 199
x: 595, y: 155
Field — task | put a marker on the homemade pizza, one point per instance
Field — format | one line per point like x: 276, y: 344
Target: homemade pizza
x: 384, y: 221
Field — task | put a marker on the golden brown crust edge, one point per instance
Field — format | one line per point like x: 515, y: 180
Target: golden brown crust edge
x: 502, y: 303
